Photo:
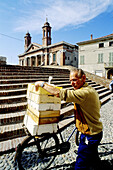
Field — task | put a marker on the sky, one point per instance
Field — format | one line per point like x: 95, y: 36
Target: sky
x: 72, y: 21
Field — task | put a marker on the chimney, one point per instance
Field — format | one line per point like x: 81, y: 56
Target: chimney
x: 91, y: 36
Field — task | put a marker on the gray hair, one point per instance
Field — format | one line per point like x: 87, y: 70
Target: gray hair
x: 79, y: 72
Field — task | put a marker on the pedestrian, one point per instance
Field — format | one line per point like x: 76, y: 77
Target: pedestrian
x: 87, y: 115
x: 111, y: 86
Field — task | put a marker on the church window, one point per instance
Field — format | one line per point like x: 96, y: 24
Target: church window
x: 54, y: 57
x: 48, y: 33
x: 44, y: 33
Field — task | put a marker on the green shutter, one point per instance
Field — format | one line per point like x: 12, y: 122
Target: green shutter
x: 82, y: 59
x: 111, y: 59
x: 100, y: 58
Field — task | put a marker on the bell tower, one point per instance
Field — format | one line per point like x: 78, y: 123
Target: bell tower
x: 46, y: 40
x: 27, y: 40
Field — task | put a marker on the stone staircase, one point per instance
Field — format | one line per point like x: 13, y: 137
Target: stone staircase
x: 13, y: 102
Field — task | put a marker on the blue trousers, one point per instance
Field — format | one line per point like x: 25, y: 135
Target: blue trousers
x: 88, y: 151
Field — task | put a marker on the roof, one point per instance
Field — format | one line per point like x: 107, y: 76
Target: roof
x: 35, y: 44
x: 40, y: 47
x: 61, y: 43
x: 104, y: 38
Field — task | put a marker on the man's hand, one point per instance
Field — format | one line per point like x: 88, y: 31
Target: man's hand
x: 38, y: 83
x: 51, y: 89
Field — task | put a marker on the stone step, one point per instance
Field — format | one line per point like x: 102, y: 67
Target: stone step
x: 13, y: 86
x: 91, y: 83
x: 11, y: 118
x: 12, y: 99
x: 17, y: 93
x: 98, y: 87
x: 24, y: 85
x: 12, y: 92
x: 17, y: 116
x: 39, y: 68
x: 15, y: 81
x: 33, y: 69
x: 104, y: 94
x: 10, y: 89
x: 10, y: 145
x: 20, y: 94
x: 31, y: 73
x: 63, y: 124
x: 11, y: 131
x: 28, y: 76
x: 101, y: 90
x: 95, y: 85
x: 9, y: 108
x: 16, y: 85
x: 16, y: 129
x: 67, y: 111
x: 106, y: 98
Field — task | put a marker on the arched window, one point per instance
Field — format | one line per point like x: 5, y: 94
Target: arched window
x: 48, y: 33
x: 44, y: 33
x: 54, y: 57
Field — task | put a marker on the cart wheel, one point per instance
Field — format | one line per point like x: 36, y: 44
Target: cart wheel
x: 37, y: 153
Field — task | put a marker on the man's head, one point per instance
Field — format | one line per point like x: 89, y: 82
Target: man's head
x: 77, y: 78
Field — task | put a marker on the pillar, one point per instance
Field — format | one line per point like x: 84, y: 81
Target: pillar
x: 36, y: 61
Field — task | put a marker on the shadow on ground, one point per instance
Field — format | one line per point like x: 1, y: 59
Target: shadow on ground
x: 104, y: 165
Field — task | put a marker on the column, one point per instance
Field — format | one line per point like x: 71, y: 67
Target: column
x: 62, y: 57
x: 36, y: 59
x: 41, y: 58
x: 30, y: 61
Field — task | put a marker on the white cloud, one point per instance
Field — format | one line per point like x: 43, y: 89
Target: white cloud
x: 62, y: 13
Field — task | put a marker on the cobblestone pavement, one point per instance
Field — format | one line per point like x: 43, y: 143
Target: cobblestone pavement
x: 66, y: 161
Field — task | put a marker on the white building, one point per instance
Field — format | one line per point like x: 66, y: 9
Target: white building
x: 96, y: 56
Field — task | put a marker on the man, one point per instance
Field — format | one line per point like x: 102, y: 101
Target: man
x: 87, y: 114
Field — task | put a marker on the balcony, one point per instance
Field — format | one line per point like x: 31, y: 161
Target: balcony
x: 108, y: 65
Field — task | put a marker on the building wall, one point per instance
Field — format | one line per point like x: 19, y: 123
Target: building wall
x: 90, y: 53
x: 71, y: 58
x: 63, y: 54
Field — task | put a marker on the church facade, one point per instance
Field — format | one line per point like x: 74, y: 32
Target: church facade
x: 61, y: 53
